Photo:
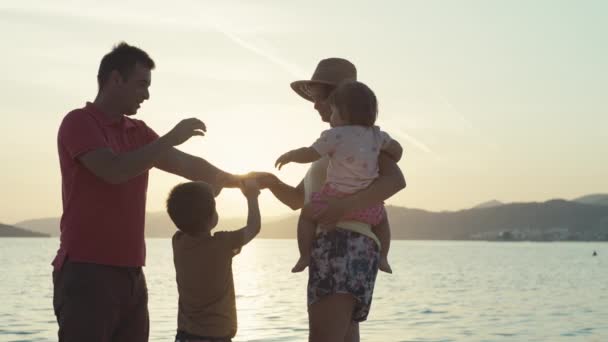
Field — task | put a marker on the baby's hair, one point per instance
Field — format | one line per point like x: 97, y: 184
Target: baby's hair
x: 356, y: 102
x: 190, y: 206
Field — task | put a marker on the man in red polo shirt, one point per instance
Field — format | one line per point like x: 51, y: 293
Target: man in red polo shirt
x: 100, y: 291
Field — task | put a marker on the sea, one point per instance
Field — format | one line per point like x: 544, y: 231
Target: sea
x: 439, y: 291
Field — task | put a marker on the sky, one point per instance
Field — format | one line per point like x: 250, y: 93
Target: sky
x: 497, y: 100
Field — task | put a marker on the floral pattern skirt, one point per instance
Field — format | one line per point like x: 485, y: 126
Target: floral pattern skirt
x: 343, y: 261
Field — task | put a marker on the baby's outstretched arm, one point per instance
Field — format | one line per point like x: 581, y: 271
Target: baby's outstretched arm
x: 302, y: 155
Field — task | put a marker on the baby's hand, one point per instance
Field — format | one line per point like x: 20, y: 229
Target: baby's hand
x: 250, y: 188
x: 283, y: 160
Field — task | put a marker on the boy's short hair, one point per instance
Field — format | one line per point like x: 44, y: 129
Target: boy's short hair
x: 123, y: 59
x: 190, y: 206
x: 356, y: 102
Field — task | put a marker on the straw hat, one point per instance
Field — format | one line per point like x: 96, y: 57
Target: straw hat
x: 330, y: 71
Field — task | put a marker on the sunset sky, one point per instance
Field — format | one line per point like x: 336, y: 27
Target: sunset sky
x: 491, y: 99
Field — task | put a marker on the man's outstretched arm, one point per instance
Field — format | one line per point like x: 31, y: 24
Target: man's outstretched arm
x: 116, y: 168
x: 195, y: 169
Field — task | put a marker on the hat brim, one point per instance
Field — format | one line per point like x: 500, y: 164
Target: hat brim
x: 300, y: 87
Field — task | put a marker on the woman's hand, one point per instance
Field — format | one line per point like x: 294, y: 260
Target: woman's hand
x: 329, y: 216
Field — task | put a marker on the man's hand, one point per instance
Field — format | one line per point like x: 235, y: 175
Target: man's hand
x: 185, y: 130
x: 285, y: 159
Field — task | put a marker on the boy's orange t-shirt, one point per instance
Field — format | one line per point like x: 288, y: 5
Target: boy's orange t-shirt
x: 203, y: 270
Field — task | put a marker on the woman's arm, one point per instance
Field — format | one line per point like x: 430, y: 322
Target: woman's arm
x: 293, y: 197
x: 389, y: 182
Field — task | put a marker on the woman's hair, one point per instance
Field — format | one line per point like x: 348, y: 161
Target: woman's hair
x: 190, y: 206
x: 356, y: 102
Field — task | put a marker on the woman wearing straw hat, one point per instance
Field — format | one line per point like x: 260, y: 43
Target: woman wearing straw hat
x: 335, y: 305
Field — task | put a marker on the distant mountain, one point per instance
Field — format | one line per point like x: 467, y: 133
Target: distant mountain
x: 158, y: 224
x: 595, y: 199
x: 48, y: 226
x: 488, y: 204
x: 11, y: 231
x: 551, y: 220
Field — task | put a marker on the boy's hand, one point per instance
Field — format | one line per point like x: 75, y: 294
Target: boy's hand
x: 283, y: 160
x: 250, y: 188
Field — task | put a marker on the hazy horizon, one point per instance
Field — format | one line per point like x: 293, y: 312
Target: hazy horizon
x: 491, y: 100
x: 276, y: 217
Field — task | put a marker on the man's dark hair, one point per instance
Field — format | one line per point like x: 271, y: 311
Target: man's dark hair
x: 123, y: 59
x: 190, y: 206
x: 356, y: 102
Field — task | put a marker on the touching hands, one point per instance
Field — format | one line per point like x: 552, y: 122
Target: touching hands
x: 185, y: 130
x: 264, y: 179
x: 250, y: 188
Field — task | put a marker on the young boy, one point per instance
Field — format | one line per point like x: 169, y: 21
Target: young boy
x: 203, y: 262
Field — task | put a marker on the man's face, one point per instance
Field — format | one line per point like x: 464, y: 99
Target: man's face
x: 134, y: 90
x: 319, y: 94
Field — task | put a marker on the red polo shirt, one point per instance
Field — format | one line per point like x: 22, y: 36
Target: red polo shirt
x: 101, y: 223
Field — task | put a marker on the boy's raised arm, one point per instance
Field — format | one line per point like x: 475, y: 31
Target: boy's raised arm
x: 251, y: 191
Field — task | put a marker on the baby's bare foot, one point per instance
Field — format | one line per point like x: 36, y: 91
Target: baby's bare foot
x: 300, y: 265
x: 384, y: 266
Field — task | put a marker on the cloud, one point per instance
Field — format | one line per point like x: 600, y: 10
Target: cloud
x: 290, y: 68
x: 400, y: 133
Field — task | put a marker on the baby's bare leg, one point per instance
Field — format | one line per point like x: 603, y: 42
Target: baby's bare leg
x: 383, y: 232
x: 306, y: 234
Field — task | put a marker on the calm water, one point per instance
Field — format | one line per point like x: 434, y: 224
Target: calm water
x: 441, y: 291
